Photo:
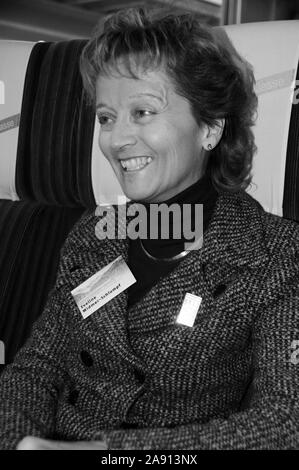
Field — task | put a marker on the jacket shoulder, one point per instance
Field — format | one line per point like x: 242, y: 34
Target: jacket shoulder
x: 279, y: 237
x: 279, y: 234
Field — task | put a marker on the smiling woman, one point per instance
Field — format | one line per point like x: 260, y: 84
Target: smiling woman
x: 165, y: 362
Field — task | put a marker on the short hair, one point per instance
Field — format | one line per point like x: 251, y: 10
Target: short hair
x: 203, y: 66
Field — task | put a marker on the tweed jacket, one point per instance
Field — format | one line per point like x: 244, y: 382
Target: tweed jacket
x: 142, y: 381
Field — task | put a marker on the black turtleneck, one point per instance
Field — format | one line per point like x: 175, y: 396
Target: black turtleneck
x: 147, y: 271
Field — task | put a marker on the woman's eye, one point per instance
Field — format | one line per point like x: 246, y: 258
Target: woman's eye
x: 103, y: 120
x: 140, y: 113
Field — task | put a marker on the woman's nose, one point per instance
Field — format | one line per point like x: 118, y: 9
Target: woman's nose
x: 123, y: 134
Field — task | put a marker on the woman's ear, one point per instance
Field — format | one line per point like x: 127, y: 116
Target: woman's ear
x: 213, y: 134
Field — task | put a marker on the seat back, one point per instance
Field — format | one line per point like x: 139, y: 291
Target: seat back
x: 273, y: 50
x: 46, y: 176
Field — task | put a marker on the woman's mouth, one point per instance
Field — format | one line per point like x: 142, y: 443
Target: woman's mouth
x: 135, y: 163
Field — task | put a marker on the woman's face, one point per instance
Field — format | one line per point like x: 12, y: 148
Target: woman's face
x: 149, y: 135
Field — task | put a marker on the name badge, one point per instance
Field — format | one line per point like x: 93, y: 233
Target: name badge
x: 103, y: 286
x: 189, y: 310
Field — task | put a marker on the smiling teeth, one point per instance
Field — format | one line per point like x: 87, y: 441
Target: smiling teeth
x: 132, y: 164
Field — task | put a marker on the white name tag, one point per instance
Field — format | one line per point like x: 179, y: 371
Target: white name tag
x: 103, y: 286
x: 189, y: 310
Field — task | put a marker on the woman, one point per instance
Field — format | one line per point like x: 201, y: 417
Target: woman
x: 176, y: 104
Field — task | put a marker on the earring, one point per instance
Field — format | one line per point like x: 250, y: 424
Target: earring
x: 210, y: 146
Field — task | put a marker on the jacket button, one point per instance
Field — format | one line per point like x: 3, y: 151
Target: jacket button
x: 219, y: 290
x: 73, y: 397
x: 86, y: 358
x: 140, y: 376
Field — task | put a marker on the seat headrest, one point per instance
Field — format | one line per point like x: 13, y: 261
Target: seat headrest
x: 56, y: 129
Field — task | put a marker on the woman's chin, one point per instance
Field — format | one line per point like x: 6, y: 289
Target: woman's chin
x: 136, y: 184
x: 136, y: 195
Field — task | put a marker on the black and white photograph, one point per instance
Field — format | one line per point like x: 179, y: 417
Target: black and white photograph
x: 149, y: 228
